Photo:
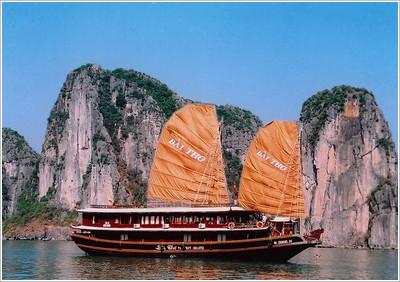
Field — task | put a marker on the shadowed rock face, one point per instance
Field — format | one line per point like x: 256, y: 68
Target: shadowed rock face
x: 19, y: 163
x: 103, y: 131
x: 349, y: 169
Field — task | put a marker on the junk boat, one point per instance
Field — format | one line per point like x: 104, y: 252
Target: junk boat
x: 199, y: 220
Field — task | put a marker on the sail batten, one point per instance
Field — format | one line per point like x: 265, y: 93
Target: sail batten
x: 270, y: 180
x: 188, y: 165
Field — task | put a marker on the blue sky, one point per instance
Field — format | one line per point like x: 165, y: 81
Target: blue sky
x: 266, y: 57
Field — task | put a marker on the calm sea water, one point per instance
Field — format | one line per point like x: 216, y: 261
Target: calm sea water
x: 63, y: 260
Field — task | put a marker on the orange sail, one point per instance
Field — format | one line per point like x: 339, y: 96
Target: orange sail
x: 270, y: 181
x: 188, y: 165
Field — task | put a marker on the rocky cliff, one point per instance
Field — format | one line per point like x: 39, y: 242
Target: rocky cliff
x: 349, y: 169
x: 103, y: 130
x: 102, y: 134
x: 19, y: 164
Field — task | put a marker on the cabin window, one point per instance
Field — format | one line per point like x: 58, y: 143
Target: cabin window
x: 187, y: 237
x: 221, y: 219
x: 287, y: 228
x: 142, y: 220
x: 124, y: 237
x: 157, y: 219
x: 146, y: 219
x: 95, y: 219
x: 116, y: 220
x: 130, y: 220
x: 177, y: 219
x: 296, y: 227
x: 162, y: 220
x: 152, y: 221
x: 124, y: 220
x: 221, y: 237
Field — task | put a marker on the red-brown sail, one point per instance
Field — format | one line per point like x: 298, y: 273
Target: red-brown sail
x: 188, y: 165
x: 270, y: 181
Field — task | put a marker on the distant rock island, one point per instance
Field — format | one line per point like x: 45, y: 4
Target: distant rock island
x: 102, y: 133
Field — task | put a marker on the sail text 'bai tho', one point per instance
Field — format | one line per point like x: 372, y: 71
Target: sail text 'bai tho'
x: 270, y: 181
x: 188, y: 166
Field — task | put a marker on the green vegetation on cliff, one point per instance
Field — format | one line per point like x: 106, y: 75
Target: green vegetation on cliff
x: 386, y: 144
x: 237, y: 123
x: 57, y: 116
x: 316, y: 109
x: 17, y: 152
x: 18, y: 161
x: 112, y: 112
x: 112, y: 116
x: 164, y: 97
x: 371, y: 199
x: 20, y: 147
x: 29, y: 207
x: 236, y: 117
x: 233, y: 171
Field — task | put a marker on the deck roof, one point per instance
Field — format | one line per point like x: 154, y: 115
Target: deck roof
x: 164, y: 210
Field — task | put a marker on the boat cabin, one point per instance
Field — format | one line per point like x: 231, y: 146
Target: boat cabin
x: 168, y: 217
x: 182, y: 223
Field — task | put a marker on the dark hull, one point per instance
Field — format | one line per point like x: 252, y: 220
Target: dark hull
x: 268, y: 249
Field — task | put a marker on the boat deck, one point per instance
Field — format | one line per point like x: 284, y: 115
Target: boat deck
x: 170, y: 229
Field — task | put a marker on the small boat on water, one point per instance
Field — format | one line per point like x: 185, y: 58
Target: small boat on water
x: 190, y: 212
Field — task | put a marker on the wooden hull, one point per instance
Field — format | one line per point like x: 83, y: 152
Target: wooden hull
x: 280, y: 248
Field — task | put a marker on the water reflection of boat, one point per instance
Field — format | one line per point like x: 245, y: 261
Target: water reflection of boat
x: 199, y: 221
